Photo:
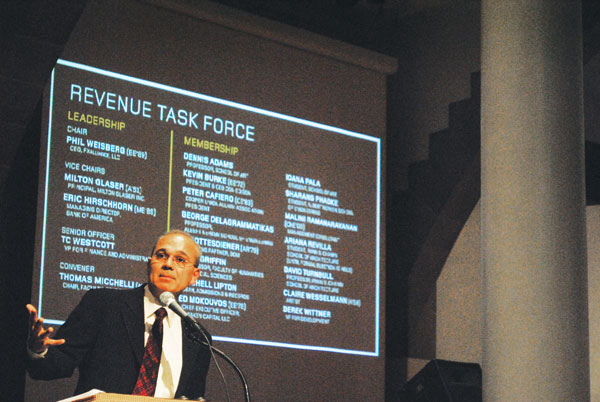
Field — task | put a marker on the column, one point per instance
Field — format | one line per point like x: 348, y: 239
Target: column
x: 535, y: 332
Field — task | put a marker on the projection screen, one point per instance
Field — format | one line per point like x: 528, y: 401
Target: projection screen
x: 270, y: 155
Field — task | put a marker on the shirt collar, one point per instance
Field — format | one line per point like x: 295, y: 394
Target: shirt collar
x: 151, y: 304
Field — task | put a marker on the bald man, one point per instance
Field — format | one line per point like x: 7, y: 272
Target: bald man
x: 104, y: 336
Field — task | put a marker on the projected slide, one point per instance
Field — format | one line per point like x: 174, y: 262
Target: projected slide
x: 286, y: 210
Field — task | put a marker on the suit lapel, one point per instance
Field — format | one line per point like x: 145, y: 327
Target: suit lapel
x: 133, y: 319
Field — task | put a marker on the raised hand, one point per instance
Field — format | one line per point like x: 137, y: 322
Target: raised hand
x: 39, y: 337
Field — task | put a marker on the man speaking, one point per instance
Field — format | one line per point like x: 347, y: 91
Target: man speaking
x: 126, y: 341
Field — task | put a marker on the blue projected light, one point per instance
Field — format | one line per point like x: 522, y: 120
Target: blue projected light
x: 374, y: 351
x: 216, y: 100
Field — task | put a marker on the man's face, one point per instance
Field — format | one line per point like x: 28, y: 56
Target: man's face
x: 171, y: 266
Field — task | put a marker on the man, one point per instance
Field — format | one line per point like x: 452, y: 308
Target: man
x: 105, y: 335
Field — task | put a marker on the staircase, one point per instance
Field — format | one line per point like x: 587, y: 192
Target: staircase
x: 425, y: 219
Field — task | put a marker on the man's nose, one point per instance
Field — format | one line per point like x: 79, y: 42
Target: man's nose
x: 168, y: 264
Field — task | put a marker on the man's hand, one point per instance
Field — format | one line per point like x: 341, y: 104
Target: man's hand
x: 39, y: 338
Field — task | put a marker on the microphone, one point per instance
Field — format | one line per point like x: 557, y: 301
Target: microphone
x: 168, y: 299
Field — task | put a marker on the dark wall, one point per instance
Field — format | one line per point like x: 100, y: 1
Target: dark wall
x: 19, y: 195
x: 31, y: 38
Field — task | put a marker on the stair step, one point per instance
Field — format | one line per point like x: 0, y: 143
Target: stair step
x: 465, y: 114
x: 476, y: 86
x: 430, y: 185
x: 592, y: 173
x: 424, y: 174
x: 412, y: 220
x: 451, y: 149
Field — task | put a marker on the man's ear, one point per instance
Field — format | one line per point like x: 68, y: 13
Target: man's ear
x: 195, y: 275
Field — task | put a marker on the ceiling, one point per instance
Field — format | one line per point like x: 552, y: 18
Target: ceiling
x: 370, y: 24
x: 377, y: 24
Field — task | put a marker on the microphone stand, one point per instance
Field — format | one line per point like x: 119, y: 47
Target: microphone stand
x: 199, y: 335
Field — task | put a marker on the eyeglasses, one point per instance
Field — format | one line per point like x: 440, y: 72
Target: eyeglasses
x: 178, y: 260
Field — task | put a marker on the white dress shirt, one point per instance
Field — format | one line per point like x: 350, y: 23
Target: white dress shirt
x: 171, y: 358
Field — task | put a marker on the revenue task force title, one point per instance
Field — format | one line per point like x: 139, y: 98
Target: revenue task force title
x: 139, y: 107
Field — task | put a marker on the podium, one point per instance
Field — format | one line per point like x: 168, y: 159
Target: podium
x: 110, y: 397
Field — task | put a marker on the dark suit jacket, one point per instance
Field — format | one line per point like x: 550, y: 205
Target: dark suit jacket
x: 105, y: 340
